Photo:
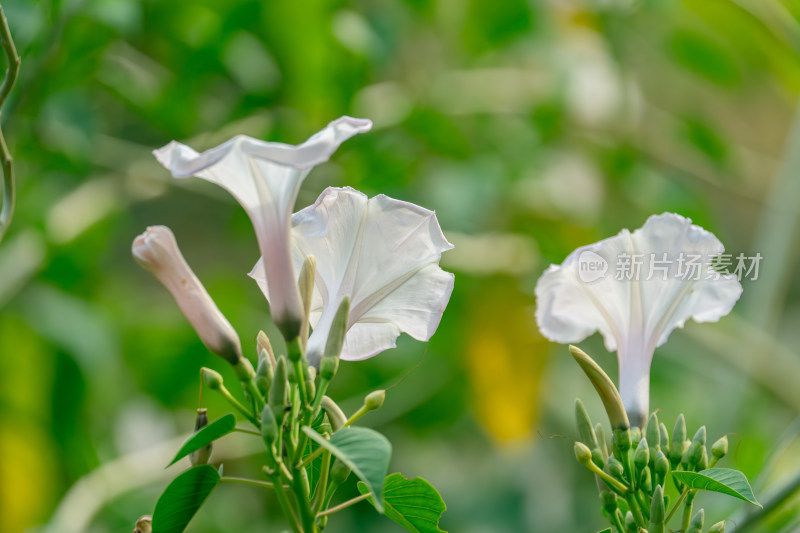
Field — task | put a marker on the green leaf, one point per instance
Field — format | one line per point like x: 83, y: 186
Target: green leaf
x: 412, y: 503
x: 365, y: 451
x: 722, y: 480
x: 218, y: 428
x: 183, y: 498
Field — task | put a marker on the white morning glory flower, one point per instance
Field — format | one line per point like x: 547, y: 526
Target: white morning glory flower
x: 265, y: 178
x: 635, y: 288
x: 382, y: 253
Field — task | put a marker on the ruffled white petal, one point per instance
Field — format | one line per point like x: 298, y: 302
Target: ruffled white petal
x: 265, y: 178
x: 597, y: 288
x: 384, y: 255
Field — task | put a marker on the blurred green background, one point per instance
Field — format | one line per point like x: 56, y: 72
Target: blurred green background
x: 530, y: 126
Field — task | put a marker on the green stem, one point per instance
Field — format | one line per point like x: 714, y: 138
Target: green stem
x: 313, y: 455
x: 358, y: 414
x: 677, y: 504
x: 345, y: 505
x: 248, y: 431
x: 630, y: 497
x: 322, y: 483
x: 238, y: 405
x: 283, y: 501
x: 301, y: 496
x: 247, y: 481
x: 687, y: 510
x: 12, y: 70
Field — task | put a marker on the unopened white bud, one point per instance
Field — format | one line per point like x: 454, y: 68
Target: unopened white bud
x: 157, y: 251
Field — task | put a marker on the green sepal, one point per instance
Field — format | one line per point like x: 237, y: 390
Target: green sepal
x: 218, y: 428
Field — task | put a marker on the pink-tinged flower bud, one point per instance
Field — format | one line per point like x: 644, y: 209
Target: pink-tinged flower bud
x: 157, y: 251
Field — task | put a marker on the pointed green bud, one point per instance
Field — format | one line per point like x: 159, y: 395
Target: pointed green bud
x: 609, y: 500
x: 663, y: 436
x: 642, y: 455
x: 630, y: 523
x: 652, y: 433
x: 212, y: 378
x: 333, y: 346
x: 201, y: 456
x: 657, y: 512
x: 339, y: 472
x: 622, y: 439
x: 374, y: 400
x: 696, y: 524
x: 636, y: 436
x: 277, y: 393
x: 676, y: 443
x: 615, y: 468
x: 720, y: 449
x: 605, y: 389
x: 264, y: 374
x: 598, y: 458
x: 328, y: 367
x: 334, y: 412
x: 582, y: 453
x: 601, y: 439
x: 719, y: 527
x: 584, y: 423
x: 700, y: 436
x: 702, y: 461
x: 305, y: 283
x: 661, y: 465
x: 264, y: 348
x: 646, y: 481
x: 269, y: 426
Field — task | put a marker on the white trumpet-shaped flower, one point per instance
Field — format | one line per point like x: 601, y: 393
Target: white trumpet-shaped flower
x: 635, y: 288
x: 382, y: 253
x: 265, y: 178
x: 157, y: 251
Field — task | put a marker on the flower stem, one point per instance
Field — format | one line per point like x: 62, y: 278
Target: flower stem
x: 247, y: 481
x: 344, y: 505
x: 687, y: 510
x: 677, y: 504
x: 12, y: 70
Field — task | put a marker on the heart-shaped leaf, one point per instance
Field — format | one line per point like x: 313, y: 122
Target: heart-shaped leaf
x: 216, y: 429
x: 365, y: 451
x: 722, y: 480
x: 183, y: 498
x: 413, y: 503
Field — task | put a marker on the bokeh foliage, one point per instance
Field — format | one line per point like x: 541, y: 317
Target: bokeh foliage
x: 530, y: 126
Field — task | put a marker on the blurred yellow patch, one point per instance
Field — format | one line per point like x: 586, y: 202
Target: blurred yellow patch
x: 505, y: 358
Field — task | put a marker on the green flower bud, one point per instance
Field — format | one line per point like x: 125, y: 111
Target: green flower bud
x: 719, y: 527
x: 642, y: 455
x: 335, y: 341
x: 657, y: 512
x: 630, y: 523
x: 700, y: 436
x: 719, y: 450
x: 663, y: 436
x: 615, y: 468
x: 702, y: 462
x: 676, y: 444
x: 696, y: 524
x: 264, y: 349
x: 598, y: 458
x: 264, y: 374
x: 622, y: 439
x: 652, y: 433
x: 601, y: 439
x: 582, y: 453
x: 334, y: 412
x: 269, y: 426
x: 305, y: 284
x: 328, y: 367
x: 311, y: 389
x: 584, y: 423
x: 212, y: 378
x: 201, y: 456
x: 661, y: 465
x: 339, y: 472
x: 636, y: 436
x: 646, y: 481
x: 604, y: 387
x: 609, y: 500
x: 374, y: 400
x: 277, y: 393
